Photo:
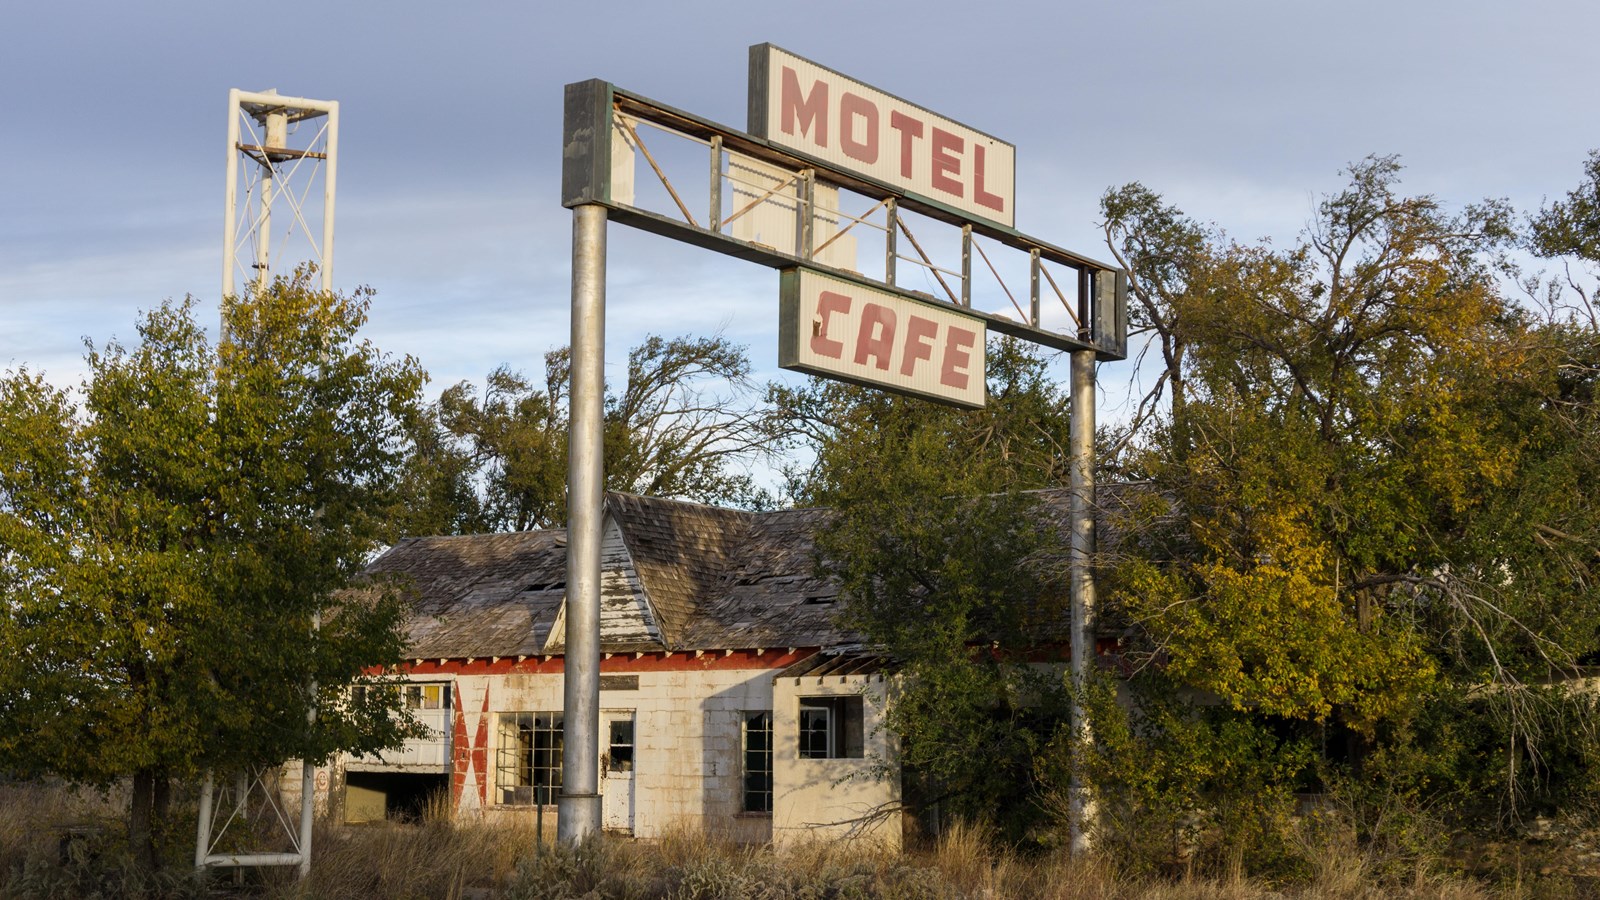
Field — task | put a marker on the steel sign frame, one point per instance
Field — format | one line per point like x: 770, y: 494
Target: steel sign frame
x: 600, y: 136
x: 594, y: 109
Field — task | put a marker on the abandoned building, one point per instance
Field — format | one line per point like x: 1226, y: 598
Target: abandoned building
x: 730, y: 700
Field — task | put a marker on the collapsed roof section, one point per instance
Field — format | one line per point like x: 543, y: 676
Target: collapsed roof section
x: 675, y: 576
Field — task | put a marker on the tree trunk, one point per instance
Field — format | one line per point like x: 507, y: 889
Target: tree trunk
x: 160, y: 808
x: 141, y: 809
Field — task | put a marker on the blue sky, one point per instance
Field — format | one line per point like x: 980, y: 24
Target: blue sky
x: 1242, y: 113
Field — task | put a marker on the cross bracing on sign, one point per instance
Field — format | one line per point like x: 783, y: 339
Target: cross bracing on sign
x: 683, y: 176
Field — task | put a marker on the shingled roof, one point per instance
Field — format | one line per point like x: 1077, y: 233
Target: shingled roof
x: 715, y: 578
x: 481, y: 594
x: 682, y: 552
x: 772, y: 595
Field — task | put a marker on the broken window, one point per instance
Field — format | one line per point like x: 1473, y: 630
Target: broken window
x: 830, y: 728
x: 619, y: 756
x: 757, y: 744
x: 528, y: 762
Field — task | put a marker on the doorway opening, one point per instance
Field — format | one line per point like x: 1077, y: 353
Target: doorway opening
x: 402, y: 796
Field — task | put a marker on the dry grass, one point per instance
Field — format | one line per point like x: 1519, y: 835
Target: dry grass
x: 58, y: 841
x: 441, y: 858
x: 37, y: 815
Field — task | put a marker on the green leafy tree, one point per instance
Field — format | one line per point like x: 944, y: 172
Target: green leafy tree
x: 682, y: 426
x: 1372, y: 460
x: 169, y: 548
x: 1182, y: 784
x: 949, y: 565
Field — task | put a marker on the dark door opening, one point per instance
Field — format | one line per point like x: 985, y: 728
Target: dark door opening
x: 403, y: 796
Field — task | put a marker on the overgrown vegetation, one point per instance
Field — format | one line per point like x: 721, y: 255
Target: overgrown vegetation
x: 934, y: 533
x: 438, y: 858
x: 1374, y: 560
x: 1356, y: 571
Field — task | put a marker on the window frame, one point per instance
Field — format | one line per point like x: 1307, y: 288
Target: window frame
x: 843, y: 718
x: 756, y: 800
x: 530, y: 744
x: 430, y: 695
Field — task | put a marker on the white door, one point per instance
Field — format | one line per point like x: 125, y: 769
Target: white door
x: 616, y: 783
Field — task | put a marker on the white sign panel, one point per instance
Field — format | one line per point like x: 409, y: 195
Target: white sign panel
x: 840, y: 329
x: 801, y: 106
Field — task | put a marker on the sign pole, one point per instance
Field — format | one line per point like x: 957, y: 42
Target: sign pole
x: 1080, y: 467
x: 578, y: 805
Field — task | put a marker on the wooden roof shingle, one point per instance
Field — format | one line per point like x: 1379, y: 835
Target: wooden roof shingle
x: 479, y: 595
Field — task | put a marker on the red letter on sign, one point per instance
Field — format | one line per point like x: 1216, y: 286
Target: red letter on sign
x: 828, y: 304
x: 945, y: 166
x: 919, y: 343
x: 851, y: 106
x: 812, y: 111
x: 983, y: 198
x: 880, y: 319
x: 958, y: 358
x: 910, y: 129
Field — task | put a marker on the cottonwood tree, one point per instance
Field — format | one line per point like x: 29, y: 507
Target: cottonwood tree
x: 169, y: 544
x: 1384, y: 471
x: 1167, y: 255
x: 683, y: 425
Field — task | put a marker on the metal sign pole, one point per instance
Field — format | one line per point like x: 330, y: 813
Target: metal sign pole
x: 1081, y: 512
x: 578, y: 806
x: 308, y: 771
x: 330, y: 179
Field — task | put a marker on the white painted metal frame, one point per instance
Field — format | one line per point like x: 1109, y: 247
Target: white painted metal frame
x: 269, y: 119
x: 275, y: 171
x: 252, y: 806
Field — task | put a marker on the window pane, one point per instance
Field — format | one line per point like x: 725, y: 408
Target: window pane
x: 622, y: 733
x: 814, y: 722
x: 831, y: 727
x: 620, y: 753
x: 757, y: 759
x: 528, y: 764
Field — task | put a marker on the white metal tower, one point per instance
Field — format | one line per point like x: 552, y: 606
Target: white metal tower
x: 287, y: 142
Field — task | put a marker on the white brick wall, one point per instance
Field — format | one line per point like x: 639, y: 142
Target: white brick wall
x: 687, y: 758
x: 833, y: 798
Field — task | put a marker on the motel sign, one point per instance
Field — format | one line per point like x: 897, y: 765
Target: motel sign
x: 820, y: 114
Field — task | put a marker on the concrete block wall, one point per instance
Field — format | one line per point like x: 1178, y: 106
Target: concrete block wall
x: 825, y: 799
x: 688, y: 760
